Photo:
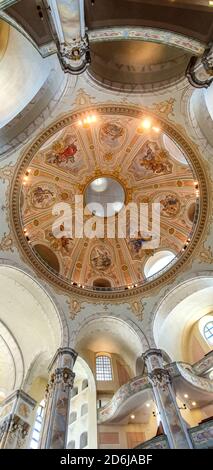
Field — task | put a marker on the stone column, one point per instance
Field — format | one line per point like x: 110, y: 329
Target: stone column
x: 17, y: 415
x: 171, y: 419
x: 55, y: 424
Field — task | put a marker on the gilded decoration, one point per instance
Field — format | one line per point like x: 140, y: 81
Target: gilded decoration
x: 61, y: 163
x: 206, y: 255
x: 74, y: 307
x: 165, y: 108
x: 7, y: 243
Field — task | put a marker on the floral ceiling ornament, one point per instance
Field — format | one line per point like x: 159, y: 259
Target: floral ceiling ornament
x: 6, y: 173
x: 165, y: 108
x: 7, y: 243
x: 83, y: 99
x: 137, y: 307
x: 206, y: 255
x: 74, y: 307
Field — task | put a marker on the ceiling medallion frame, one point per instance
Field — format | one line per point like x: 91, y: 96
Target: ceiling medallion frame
x: 198, y: 169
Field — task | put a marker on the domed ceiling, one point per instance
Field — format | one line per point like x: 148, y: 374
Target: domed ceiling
x: 137, y: 65
x: 131, y: 155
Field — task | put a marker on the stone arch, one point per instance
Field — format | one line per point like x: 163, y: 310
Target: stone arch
x: 32, y: 329
x: 11, y: 359
x: 178, y: 311
x: 124, y: 321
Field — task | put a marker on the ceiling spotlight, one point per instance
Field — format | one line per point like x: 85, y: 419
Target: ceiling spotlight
x: 132, y: 416
x: 186, y: 396
x: 89, y: 119
x: 156, y: 129
x: 148, y: 405
x: 146, y: 123
x: 194, y: 403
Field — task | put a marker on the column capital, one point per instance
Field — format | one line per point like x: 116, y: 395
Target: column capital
x: 64, y: 357
x: 151, y: 352
x: 16, y: 420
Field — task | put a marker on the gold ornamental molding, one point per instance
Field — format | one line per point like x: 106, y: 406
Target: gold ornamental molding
x: 200, y: 174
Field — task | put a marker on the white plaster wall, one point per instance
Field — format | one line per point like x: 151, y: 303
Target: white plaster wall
x: 208, y: 94
x: 22, y: 73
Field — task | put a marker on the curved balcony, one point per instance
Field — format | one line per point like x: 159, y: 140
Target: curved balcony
x: 125, y: 398
x: 187, y: 372
x: 134, y: 392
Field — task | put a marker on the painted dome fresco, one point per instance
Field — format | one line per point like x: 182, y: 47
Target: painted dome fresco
x: 100, y: 157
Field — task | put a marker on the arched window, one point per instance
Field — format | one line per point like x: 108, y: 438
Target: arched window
x: 208, y: 332
x: 157, y: 262
x: 83, y: 440
x: 84, y: 384
x: 84, y: 409
x: 73, y: 417
x: 71, y: 445
x: 74, y: 392
x: 103, y: 368
x: 102, y: 282
x: 37, y: 426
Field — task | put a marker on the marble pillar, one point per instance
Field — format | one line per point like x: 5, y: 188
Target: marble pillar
x: 170, y: 416
x: 17, y: 415
x: 57, y: 400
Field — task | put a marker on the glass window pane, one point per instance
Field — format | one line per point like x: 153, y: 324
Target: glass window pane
x: 208, y: 332
x: 103, y: 368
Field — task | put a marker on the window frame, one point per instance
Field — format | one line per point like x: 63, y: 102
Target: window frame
x: 103, y: 369
x: 209, y: 339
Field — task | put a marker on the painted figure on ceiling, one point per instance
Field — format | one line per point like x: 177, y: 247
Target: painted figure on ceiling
x: 112, y: 133
x: 42, y: 197
x: 155, y: 159
x: 170, y: 205
x: 63, y: 154
x: 100, y: 258
x: 139, y: 242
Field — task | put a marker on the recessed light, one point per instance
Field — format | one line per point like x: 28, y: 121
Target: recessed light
x: 194, y: 403
x: 186, y: 396
x: 148, y: 405
x: 156, y: 129
x: 146, y: 123
x: 132, y: 416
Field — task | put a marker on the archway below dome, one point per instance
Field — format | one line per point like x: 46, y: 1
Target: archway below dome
x: 136, y: 65
x: 176, y: 323
x: 48, y: 256
x: 102, y: 283
x: 157, y: 262
x: 30, y: 324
